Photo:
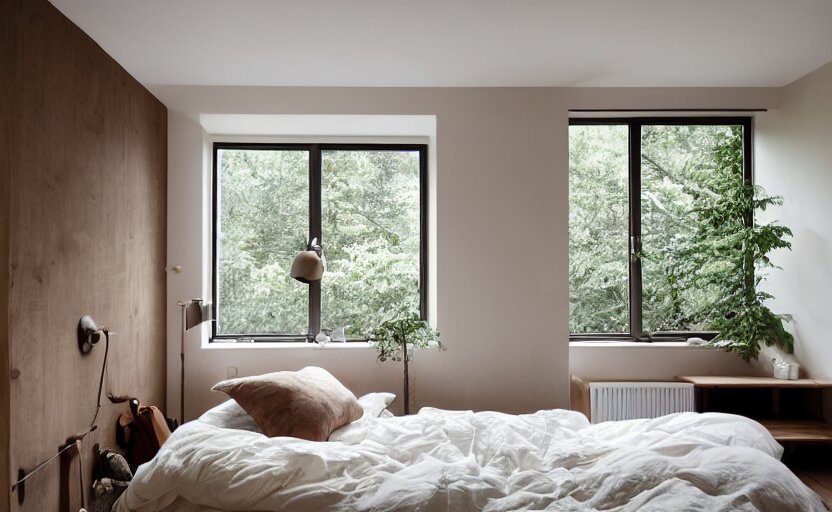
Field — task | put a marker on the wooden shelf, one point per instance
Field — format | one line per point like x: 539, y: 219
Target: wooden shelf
x: 799, y: 431
x: 791, y: 412
x: 753, y: 382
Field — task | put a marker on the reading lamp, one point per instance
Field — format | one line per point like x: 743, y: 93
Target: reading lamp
x: 308, y: 266
x: 194, y: 312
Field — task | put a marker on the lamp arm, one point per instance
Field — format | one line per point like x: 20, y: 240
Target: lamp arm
x: 184, y: 307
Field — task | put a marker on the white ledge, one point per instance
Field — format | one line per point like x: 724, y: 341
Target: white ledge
x: 601, y: 344
x: 285, y: 346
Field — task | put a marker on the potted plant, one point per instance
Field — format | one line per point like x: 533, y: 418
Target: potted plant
x: 747, y: 321
x: 397, y: 338
x: 729, y: 252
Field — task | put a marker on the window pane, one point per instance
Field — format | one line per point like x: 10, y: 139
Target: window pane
x: 263, y: 221
x: 679, y: 164
x: 370, y: 227
x: 598, y: 229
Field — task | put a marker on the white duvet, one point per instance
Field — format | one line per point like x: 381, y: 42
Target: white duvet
x: 441, y: 460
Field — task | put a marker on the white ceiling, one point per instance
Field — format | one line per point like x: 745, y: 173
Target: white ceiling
x: 461, y: 42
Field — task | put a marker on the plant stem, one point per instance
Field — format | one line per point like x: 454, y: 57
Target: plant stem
x: 406, y: 382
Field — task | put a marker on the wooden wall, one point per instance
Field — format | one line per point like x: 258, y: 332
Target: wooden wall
x: 87, y: 221
x: 6, y: 41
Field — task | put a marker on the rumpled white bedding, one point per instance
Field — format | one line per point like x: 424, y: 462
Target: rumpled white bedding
x: 441, y: 460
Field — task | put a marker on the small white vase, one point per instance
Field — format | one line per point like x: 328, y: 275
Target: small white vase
x: 781, y: 369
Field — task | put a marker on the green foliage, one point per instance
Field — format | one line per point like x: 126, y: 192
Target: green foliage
x: 598, y: 229
x: 370, y: 223
x: 676, y: 163
x: 391, y: 336
x: 371, y: 237
x: 703, y: 257
x: 729, y: 252
x: 264, y: 222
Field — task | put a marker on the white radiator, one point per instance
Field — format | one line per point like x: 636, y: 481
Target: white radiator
x: 629, y: 400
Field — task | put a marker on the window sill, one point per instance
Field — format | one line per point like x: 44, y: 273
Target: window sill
x: 675, y: 345
x: 285, y: 346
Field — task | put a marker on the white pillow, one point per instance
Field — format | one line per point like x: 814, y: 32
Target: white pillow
x: 375, y: 404
x: 230, y: 414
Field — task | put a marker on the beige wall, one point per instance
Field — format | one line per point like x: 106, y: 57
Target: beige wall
x: 671, y: 98
x: 84, y: 160
x: 502, y: 241
x: 794, y: 160
x: 656, y: 361
x: 501, y: 163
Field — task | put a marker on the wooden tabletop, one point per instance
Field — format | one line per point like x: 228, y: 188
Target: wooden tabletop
x: 710, y: 381
x: 798, y: 430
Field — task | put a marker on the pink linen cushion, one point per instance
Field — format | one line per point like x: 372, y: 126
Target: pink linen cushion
x: 307, y: 404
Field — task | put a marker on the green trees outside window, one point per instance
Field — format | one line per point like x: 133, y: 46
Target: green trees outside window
x: 368, y: 218
x: 662, y: 232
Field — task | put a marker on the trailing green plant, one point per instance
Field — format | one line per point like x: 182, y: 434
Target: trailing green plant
x: 396, y: 338
x: 729, y: 251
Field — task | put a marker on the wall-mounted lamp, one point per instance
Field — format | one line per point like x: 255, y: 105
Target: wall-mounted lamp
x: 307, y: 266
x: 194, y: 312
x: 89, y: 334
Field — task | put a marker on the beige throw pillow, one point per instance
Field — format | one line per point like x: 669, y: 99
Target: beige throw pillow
x: 307, y: 404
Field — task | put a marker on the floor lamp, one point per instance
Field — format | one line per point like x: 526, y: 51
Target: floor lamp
x: 194, y: 313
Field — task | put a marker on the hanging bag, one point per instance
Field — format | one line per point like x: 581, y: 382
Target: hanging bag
x: 141, y: 432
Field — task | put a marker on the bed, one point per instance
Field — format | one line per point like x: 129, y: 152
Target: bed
x: 439, y: 460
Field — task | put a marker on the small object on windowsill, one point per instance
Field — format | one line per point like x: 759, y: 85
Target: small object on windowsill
x: 696, y: 341
x: 338, y: 334
x: 794, y: 371
x: 322, y: 339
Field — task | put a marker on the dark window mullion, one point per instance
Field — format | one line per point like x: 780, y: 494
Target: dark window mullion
x: 215, y: 253
x: 423, y: 232
x: 315, y: 209
x: 636, y: 326
x: 748, y: 218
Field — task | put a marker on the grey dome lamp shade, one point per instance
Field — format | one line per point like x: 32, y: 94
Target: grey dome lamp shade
x: 308, y: 266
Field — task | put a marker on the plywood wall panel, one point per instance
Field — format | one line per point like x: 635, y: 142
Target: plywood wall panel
x: 87, y: 236
x: 7, y: 55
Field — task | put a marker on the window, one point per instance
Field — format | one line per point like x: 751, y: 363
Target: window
x: 636, y: 187
x: 366, y: 206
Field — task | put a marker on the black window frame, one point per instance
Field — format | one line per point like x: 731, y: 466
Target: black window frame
x: 315, y: 229
x: 634, y: 125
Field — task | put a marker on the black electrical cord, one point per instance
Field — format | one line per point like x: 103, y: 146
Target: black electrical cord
x: 101, y: 379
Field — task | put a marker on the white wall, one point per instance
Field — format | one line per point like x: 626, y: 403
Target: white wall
x: 501, y: 161
x: 654, y: 361
x: 794, y: 160
x: 502, y: 236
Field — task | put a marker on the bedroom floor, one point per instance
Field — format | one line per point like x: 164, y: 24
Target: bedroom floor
x: 819, y: 481
x: 812, y: 465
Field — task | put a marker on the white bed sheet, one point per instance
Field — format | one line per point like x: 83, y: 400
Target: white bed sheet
x: 441, y: 460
